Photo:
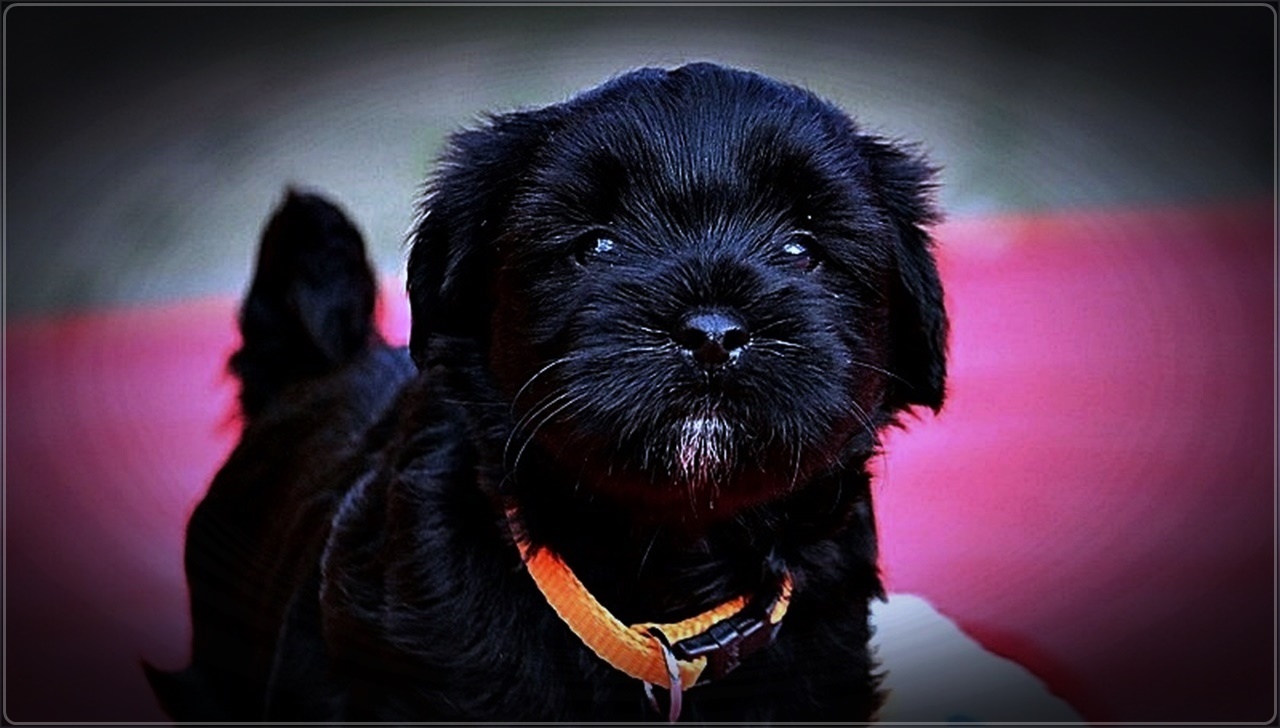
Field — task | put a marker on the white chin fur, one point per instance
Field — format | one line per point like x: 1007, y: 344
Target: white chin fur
x: 705, y: 451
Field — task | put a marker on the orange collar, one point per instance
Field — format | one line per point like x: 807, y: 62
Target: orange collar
x: 645, y: 651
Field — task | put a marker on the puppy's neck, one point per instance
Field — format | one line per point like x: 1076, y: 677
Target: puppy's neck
x: 647, y: 568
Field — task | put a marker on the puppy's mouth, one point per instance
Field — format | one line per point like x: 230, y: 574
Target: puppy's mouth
x: 674, y: 441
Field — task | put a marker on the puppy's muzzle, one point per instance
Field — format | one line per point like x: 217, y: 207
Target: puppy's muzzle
x: 714, y: 337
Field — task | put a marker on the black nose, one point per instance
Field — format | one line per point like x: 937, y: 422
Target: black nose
x: 713, y: 337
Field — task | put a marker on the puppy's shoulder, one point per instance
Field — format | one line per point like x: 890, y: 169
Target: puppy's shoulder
x: 423, y: 495
x: 419, y: 571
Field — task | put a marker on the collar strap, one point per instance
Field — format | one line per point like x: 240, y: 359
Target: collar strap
x: 705, y: 647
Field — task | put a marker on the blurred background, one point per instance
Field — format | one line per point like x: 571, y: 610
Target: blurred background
x: 1097, y: 501
x: 145, y: 146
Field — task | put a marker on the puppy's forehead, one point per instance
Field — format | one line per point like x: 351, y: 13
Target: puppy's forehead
x: 671, y: 141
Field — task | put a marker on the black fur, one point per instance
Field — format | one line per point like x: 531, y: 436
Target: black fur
x: 352, y: 560
x: 310, y: 307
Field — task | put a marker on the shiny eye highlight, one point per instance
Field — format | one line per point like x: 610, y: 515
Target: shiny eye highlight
x: 592, y: 247
x: 799, y: 251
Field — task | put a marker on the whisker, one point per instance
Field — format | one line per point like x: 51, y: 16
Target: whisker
x: 539, y: 408
x: 641, y: 349
x: 529, y: 417
x: 767, y: 343
x: 795, y: 472
x: 540, y: 372
x: 864, y: 418
x: 788, y: 323
x: 550, y: 416
x: 648, y: 549
x: 770, y: 343
x: 643, y: 329
x: 875, y: 368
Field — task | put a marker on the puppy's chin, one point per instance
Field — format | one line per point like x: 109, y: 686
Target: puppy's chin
x: 704, y: 453
x: 700, y: 469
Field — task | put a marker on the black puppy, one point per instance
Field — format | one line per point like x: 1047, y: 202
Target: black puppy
x: 657, y: 331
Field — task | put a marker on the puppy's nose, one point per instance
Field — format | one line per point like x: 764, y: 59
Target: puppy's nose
x: 713, y: 336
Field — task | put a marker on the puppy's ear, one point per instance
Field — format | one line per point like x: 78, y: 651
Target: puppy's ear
x: 918, y: 318
x: 450, y: 272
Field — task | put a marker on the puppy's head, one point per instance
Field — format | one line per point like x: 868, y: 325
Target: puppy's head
x: 697, y: 287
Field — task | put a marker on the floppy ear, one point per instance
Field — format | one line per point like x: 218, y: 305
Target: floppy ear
x: 450, y: 270
x: 918, y: 319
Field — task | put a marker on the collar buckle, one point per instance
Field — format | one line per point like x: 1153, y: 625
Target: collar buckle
x: 728, y: 642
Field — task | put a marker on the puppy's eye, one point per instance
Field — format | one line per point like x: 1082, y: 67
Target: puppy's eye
x: 592, y: 247
x: 799, y: 252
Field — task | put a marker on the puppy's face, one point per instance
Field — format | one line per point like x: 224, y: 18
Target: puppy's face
x: 703, y: 287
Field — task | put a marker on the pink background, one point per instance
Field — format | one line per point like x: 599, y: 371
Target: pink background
x: 1097, y: 499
